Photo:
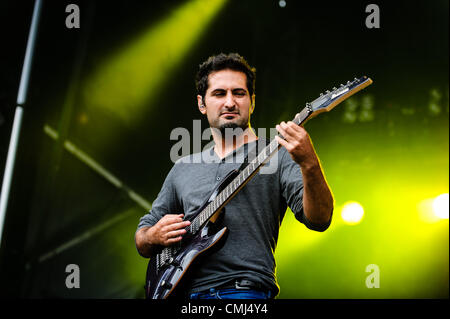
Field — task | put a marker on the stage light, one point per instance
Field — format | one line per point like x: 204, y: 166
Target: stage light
x: 129, y: 80
x: 440, y: 206
x: 352, y: 213
x: 282, y: 3
x: 432, y: 210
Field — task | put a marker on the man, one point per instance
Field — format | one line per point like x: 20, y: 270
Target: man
x: 244, y: 267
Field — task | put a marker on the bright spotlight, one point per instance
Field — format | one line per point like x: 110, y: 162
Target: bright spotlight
x: 282, y: 3
x: 440, y: 206
x: 352, y: 213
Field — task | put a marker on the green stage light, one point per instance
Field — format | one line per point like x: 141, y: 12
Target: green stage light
x: 129, y: 79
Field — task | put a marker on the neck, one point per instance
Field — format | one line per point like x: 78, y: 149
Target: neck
x: 227, y: 144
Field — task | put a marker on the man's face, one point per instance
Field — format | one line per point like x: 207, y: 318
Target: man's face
x: 227, y: 101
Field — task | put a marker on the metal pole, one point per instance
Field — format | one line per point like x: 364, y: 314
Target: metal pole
x: 21, y: 98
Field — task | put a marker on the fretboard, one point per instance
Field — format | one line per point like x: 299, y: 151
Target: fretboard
x: 242, y: 178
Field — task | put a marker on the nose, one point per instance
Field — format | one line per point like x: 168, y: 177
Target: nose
x: 229, y: 100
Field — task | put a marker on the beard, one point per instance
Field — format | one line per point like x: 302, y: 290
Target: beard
x: 231, y: 129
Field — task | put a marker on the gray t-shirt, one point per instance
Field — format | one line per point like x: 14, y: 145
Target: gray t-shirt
x: 253, y: 216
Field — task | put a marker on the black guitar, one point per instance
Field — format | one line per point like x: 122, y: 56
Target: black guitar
x: 169, y: 267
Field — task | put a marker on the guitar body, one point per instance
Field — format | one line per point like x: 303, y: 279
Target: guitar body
x: 165, y: 281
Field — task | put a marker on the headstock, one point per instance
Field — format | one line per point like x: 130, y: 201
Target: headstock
x: 329, y: 99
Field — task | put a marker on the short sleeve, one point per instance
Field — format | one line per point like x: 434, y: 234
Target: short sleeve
x: 291, y: 181
x: 165, y: 203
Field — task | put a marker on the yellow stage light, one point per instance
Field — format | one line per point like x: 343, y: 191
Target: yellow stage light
x: 130, y: 78
x: 352, y: 213
x: 440, y: 206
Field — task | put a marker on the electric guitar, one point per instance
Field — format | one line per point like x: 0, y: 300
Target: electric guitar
x: 169, y: 267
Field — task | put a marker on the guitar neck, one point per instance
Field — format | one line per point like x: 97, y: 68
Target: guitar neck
x: 242, y: 178
x: 324, y: 103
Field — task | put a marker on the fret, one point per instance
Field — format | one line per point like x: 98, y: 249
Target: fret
x: 261, y: 157
x: 272, y: 146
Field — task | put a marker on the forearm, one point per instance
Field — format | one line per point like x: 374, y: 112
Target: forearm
x: 317, y: 197
x: 143, y: 242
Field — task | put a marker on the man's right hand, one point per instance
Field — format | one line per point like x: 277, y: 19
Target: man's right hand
x: 168, y: 230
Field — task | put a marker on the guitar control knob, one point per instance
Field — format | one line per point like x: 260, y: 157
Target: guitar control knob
x: 166, y: 285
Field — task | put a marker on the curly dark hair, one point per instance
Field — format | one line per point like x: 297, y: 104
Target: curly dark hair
x: 232, y: 61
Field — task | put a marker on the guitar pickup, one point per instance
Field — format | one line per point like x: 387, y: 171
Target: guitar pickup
x: 166, y: 285
x: 174, y: 262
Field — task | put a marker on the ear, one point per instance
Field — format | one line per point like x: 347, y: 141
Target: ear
x: 201, y: 105
x: 252, y: 107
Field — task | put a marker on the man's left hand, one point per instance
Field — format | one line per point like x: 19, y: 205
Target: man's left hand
x: 297, y: 143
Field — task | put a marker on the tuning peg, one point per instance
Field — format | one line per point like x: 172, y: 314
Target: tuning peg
x: 348, y: 82
x: 327, y: 92
x: 321, y: 94
x: 334, y: 88
x: 342, y: 85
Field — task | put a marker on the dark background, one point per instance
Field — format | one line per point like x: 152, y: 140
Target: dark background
x: 298, y: 51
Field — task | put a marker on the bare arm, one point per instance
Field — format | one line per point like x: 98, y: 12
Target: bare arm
x: 167, y: 231
x: 317, y: 196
